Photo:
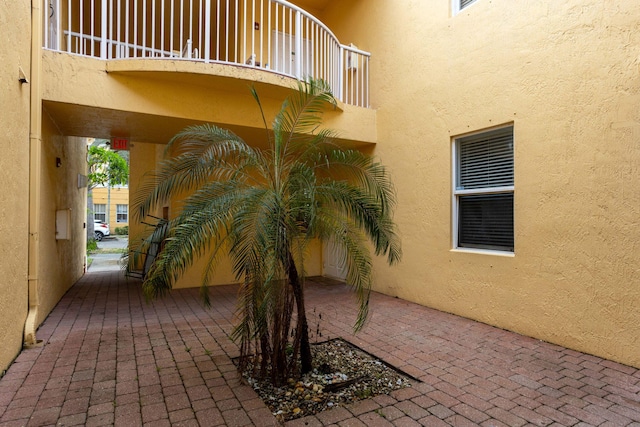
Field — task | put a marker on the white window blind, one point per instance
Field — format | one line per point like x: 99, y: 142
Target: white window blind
x: 486, y: 160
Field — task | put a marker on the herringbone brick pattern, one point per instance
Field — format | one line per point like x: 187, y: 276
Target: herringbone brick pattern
x: 111, y: 359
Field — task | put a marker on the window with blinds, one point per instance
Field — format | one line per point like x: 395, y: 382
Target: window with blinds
x: 458, y: 5
x: 483, y: 190
x: 100, y: 212
x: 122, y: 213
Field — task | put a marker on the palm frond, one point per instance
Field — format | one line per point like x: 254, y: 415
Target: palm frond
x: 346, y: 238
x: 302, y: 112
x: 204, y: 220
x: 198, y: 154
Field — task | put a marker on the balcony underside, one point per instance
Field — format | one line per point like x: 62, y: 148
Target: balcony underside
x: 150, y: 100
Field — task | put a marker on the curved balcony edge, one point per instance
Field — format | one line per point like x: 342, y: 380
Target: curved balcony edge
x: 274, y: 36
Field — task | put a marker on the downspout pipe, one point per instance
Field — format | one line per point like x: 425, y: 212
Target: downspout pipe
x: 35, y: 160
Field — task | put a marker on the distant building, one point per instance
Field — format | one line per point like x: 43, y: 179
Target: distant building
x: 115, y: 201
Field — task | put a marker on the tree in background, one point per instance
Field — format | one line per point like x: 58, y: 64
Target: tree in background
x: 106, y: 168
x: 263, y: 208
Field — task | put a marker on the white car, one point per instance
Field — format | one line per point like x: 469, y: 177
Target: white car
x: 101, y: 229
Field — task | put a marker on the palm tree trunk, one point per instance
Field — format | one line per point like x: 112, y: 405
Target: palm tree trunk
x: 303, y: 328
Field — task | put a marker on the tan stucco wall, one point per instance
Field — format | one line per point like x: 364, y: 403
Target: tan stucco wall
x: 61, y: 262
x: 15, y: 27
x: 119, y: 196
x: 566, y: 74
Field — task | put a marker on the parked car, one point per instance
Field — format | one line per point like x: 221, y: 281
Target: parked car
x: 101, y: 229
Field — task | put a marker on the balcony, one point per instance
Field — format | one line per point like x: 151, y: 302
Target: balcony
x: 273, y: 36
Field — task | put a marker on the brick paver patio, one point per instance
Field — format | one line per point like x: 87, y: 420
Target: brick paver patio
x: 110, y: 358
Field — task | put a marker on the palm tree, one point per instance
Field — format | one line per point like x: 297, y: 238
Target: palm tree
x: 262, y: 208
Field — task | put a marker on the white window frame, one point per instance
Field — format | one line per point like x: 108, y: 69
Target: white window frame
x: 456, y: 193
x: 118, y: 213
x: 103, y: 212
x: 457, y: 6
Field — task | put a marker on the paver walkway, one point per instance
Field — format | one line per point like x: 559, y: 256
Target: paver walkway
x: 110, y: 358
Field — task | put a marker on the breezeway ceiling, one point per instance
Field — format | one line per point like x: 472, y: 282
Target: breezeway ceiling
x: 85, y: 121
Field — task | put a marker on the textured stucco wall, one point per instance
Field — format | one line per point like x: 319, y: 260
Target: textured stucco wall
x: 566, y: 74
x: 61, y: 262
x: 15, y: 27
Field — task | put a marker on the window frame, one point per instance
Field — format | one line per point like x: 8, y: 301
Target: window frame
x: 103, y: 213
x: 457, y: 193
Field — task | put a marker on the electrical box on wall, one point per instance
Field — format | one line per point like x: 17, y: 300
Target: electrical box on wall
x: 63, y: 224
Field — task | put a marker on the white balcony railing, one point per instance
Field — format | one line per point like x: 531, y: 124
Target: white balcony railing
x: 272, y: 35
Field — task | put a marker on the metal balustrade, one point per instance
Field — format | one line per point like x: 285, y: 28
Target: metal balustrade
x: 271, y: 35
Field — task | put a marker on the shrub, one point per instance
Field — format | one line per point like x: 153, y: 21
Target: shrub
x: 122, y: 231
x: 92, y: 245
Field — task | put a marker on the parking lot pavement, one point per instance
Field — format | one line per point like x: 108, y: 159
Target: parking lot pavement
x: 108, y: 261
x: 114, y: 242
